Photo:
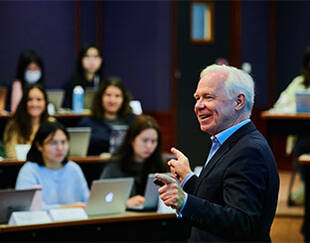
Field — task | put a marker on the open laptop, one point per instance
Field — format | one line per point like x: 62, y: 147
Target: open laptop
x: 56, y: 97
x: 150, y: 196
x: 108, y: 196
x: 14, y: 200
x: 79, y: 140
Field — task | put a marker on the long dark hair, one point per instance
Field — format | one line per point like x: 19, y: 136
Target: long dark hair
x: 46, y: 129
x: 125, y: 153
x: 97, y: 107
x: 21, y: 119
x: 305, y: 69
x: 25, y: 58
x: 80, y: 74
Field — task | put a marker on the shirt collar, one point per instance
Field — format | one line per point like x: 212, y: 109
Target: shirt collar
x: 224, y: 135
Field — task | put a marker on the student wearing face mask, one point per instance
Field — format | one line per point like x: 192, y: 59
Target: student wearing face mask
x: 88, y: 74
x: 30, y: 70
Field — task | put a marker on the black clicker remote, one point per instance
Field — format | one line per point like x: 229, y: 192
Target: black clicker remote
x: 158, y: 183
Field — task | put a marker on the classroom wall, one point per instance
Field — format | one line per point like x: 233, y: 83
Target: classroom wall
x: 255, y: 45
x: 135, y: 35
x: 137, y: 48
x: 293, y: 36
x: 45, y: 26
x: 192, y: 59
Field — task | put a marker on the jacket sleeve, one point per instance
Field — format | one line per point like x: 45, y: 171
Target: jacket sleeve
x: 244, y: 191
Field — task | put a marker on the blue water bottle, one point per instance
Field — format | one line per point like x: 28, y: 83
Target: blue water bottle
x: 78, y: 99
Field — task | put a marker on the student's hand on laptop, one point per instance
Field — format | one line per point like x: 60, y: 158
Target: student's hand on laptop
x: 135, y: 201
x: 74, y: 205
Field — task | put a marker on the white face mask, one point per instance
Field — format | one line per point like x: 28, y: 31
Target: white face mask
x: 32, y: 76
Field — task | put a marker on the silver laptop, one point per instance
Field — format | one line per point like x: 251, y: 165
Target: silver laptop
x: 56, y: 97
x: 79, y: 140
x: 108, y: 196
x: 14, y: 200
x: 88, y: 97
x: 150, y: 196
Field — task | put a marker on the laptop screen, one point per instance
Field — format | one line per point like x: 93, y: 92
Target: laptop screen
x: 108, y: 196
x: 14, y: 200
x: 56, y: 97
x: 150, y: 196
x: 79, y: 140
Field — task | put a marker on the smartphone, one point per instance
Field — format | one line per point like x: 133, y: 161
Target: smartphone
x: 158, y: 183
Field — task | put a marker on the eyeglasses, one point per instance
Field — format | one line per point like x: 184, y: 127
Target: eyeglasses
x: 55, y: 143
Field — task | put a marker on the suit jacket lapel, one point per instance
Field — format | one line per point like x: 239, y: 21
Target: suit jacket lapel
x: 225, y: 147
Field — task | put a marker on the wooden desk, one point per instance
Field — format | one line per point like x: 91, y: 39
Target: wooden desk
x: 129, y: 226
x: 286, y: 124
x: 278, y: 127
x: 92, y: 167
x: 68, y: 119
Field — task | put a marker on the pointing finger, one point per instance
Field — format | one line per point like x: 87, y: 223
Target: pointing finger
x: 177, y: 153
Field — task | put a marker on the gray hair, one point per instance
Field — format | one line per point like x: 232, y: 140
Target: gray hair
x: 237, y: 82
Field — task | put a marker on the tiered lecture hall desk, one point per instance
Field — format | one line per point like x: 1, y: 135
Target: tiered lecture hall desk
x: 129, y: 226
x: 284, y: 125
x: 91, y: 166
x: 68, y: 119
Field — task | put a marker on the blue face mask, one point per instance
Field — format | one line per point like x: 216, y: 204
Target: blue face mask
x: 32, y: 77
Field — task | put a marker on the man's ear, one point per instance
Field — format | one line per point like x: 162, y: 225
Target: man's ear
x: 240, y: 101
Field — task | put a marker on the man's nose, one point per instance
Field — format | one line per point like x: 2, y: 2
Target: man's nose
x: 199, y: 104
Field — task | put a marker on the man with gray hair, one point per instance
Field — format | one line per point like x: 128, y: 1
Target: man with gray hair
x: 235, y: 196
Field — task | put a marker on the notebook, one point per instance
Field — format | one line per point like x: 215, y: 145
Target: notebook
x: 88, y: 97
x: 56, y: 97
x: 14, y: 200
x: 79, y: 141
x: 150, y: 196
x: 108, y: 196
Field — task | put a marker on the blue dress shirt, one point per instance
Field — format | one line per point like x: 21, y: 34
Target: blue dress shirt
x: 221, y: 138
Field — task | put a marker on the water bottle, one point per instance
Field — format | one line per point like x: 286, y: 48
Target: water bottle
x: 78, y: 99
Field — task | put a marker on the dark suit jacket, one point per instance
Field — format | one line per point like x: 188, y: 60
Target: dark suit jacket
x: 235, y: 196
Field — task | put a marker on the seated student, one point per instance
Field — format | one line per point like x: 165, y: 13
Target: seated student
x: 110, y: 108
x: 30, y: 70
x: 23, y: 125
x: 299, y: 144
x: 62, y: 181
x: 88, y: 72
x: 139, y: 154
